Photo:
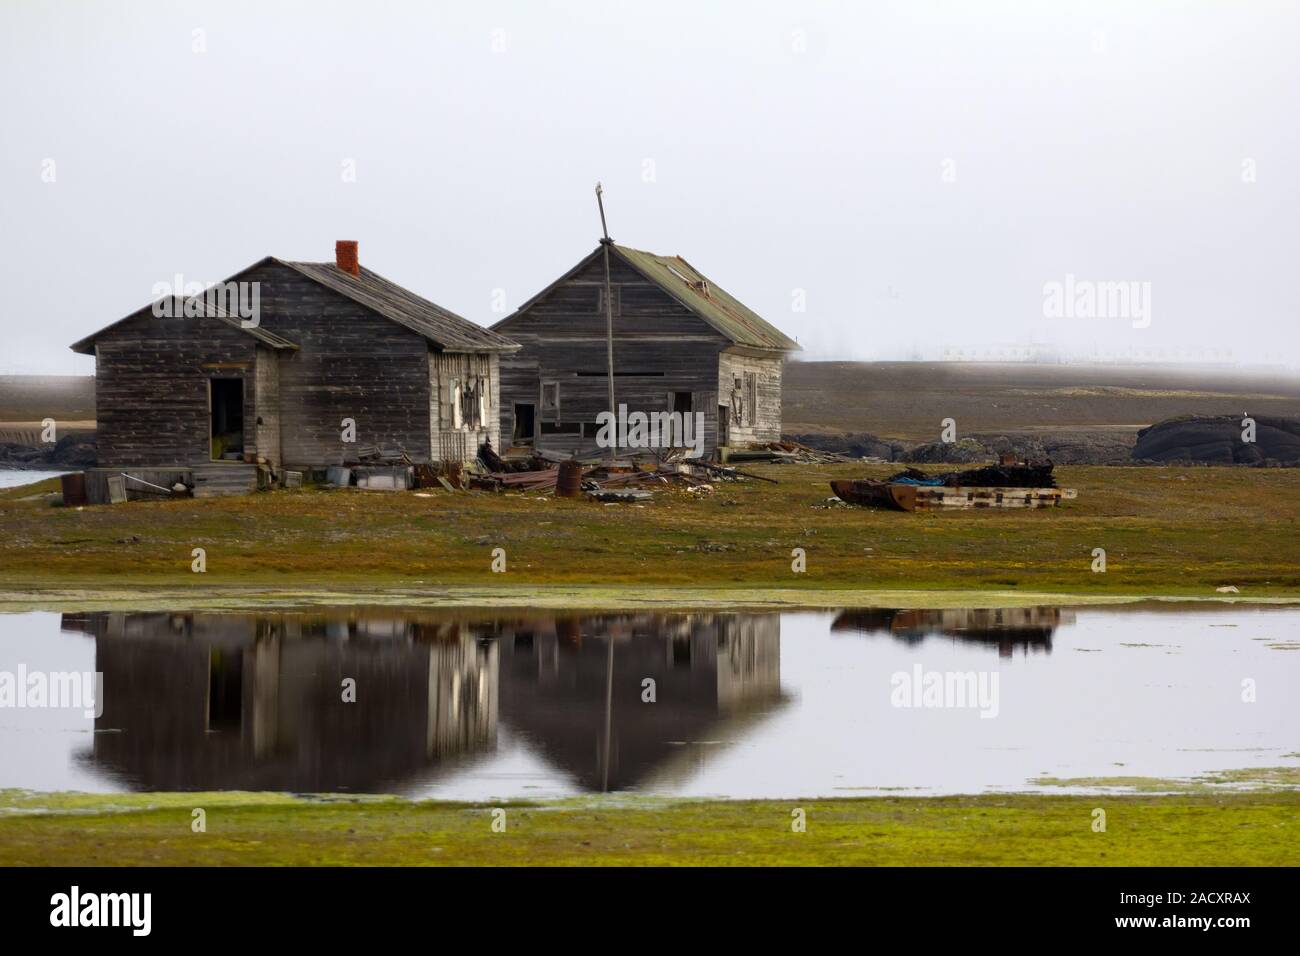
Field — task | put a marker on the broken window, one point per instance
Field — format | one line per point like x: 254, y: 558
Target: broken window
x: 744, y: 399
x: 551, y: 401
x: 469, y: 402
x: 561, y: 428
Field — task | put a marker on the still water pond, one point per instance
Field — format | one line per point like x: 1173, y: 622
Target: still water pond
x: 537, y: 704
x: 10, y: 478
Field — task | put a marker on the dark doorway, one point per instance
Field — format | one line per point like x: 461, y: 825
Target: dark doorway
x: 681, y: 651
x: 227, y: 412
x: 225, y: 689
x: 523, y: 433
x: 724, y: 425
x: 682, y: 402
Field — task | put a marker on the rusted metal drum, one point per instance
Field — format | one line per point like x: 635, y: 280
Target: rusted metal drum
x: 74, y: 488
x: 569, y: 482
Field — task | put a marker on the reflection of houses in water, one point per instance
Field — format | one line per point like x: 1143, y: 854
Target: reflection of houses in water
x: 1027, y: 628
x: 255, y: 702
x: 574, y: 687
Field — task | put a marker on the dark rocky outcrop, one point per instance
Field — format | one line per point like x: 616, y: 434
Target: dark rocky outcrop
x: 1218, y: 440
x: 1089, y: 448
x: 1064, y: 448
x: 76, y: 450
x: 964, y: 451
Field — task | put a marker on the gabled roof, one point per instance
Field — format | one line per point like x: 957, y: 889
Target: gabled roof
x: 677, y: 277
x: 86, y: 346
x: 445, y: 329
x: 710, y: 302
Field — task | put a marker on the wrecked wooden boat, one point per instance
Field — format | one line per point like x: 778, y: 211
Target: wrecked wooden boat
x: 1027, y: 485
x: 868, y: 492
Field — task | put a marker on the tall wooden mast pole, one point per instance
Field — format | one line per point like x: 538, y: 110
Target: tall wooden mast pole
x: 605, y: 243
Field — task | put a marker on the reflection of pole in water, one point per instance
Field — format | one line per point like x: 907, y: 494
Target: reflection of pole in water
x: 609, y: 706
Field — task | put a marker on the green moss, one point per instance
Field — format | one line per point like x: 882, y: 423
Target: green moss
x: 1270, y: 778
x: 261, y: 829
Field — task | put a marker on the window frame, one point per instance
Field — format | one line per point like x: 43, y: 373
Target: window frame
x: 551, y: 414
x: 615, y: 294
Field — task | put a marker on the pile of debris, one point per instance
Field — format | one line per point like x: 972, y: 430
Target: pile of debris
x: 1026, y: 474
x: 517, y: 460
x: 544, y: 479
x: 376, y: 468
x: 632, y: 479
x: 524, y: 470
x: 853, y: 445
x: 786, y: 452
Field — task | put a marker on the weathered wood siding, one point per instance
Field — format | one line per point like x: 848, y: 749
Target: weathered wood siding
x: 351, y: 363
x: 151, y: 387
x: 448, y: 442
x: 265, y: 423
x: 660, y: 347
x: 759, y: 418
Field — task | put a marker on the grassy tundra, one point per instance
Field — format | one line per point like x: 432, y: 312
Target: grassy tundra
x: 1166, y: 531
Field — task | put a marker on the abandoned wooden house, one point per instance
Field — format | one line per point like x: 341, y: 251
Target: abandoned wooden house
x: 333, y: 359
x: 680, y: 343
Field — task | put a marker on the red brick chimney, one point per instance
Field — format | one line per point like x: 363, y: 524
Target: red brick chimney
x: 345, y: 256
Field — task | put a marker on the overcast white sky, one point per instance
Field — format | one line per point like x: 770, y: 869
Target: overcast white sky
x: 919, y: 170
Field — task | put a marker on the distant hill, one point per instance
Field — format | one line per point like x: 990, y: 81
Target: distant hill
x: 909, y: 400
x: 31, y: 398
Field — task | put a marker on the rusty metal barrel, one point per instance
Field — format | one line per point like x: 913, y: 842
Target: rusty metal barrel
x: 74, y: 488
x: 569, y: 482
